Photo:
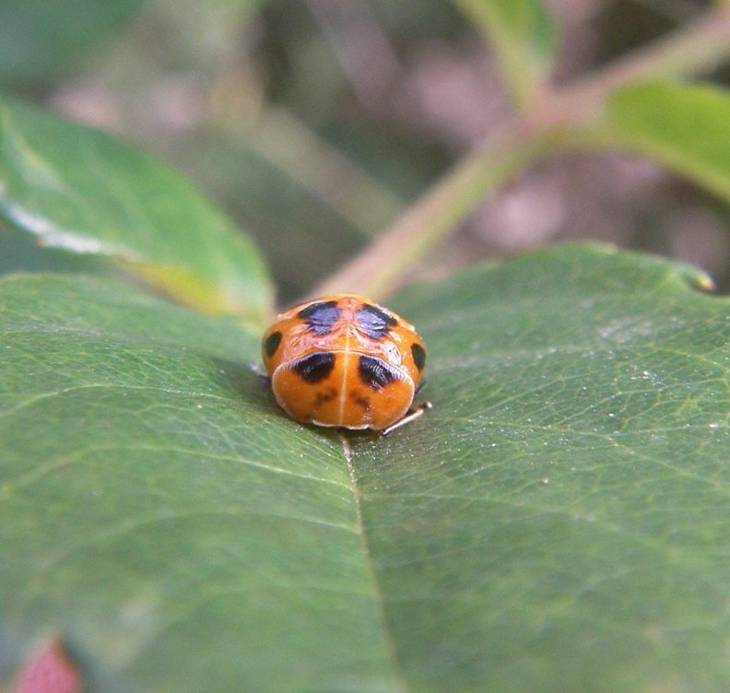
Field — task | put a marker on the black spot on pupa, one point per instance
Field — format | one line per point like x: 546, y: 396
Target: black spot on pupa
x: 320, y: 317
x: 376, y: 373
x: 314, y: 367
x: 272, y: 343
x: 325, y: 396
x: 360, y: 399
x: 419, y: 356
x: 374, y: 321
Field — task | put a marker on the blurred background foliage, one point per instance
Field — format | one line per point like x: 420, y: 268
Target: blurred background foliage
x: 315, y: 122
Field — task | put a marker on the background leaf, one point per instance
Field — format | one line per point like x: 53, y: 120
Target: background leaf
x: 558, y: 522
x: 20, y: 252
x: 38, y: 38
x: 82, y: 191
x: 300, y: 235
x: 685, y: 127
x: 524, y: 38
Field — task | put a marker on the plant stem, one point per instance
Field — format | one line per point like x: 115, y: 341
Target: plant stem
x: 701, y: 47
x: 435, y: 215
x: 556, y: 119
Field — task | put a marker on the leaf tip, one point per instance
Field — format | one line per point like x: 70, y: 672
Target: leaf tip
x: 702, y: 281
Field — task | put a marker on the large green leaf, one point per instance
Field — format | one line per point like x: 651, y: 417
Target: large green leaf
x: 161, y: 507
x: 38, y: 38
x: 524, y: 40
x: 685, y: 127
x: 557, y: 522
x: 85, y: 192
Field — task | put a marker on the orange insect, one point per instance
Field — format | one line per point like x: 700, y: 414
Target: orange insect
x: 345, y: 361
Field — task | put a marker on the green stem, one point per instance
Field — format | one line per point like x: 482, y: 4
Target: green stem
x: 700, y: 47
x: 435, y: 216
x: 559, y: 118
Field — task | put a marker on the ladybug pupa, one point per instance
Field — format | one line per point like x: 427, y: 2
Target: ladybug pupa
x: 345, y: 361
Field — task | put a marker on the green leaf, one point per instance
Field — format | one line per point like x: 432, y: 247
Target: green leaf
x: 85, y: 192
x: 685, y: 127
x: 160, y: 506
x: 39, y: 38
x: 557, y: 522
x: 523, y: 37
x: 20, y: 252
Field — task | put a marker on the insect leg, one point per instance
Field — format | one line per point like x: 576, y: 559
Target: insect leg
x: 411, y: 415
